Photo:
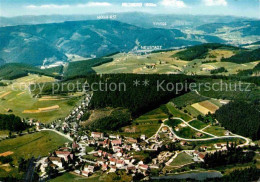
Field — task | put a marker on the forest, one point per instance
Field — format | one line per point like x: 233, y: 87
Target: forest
x: 244, y: 57
x: 81, y: 68
x: 11, y: 123
x: 218, y: 70
x: 249, y: 72
x: 117, y: 119
x: 138, y: 99
x: 199, y: 51
x: 233, y: 155
x: 241, y: 118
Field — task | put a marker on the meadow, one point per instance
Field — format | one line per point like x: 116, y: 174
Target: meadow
x: 17, y: 99
x: 32, y: 145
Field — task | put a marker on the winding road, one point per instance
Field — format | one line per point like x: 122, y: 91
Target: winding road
x: 202, y: 139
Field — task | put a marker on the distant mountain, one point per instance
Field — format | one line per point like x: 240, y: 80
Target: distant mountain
x: 45, y: 44
x: 145, y: 20
x: 246, y: 28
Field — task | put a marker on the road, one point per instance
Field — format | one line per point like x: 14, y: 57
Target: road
x: 202, y: 139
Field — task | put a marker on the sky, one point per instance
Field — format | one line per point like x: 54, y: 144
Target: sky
x: 244, y: 8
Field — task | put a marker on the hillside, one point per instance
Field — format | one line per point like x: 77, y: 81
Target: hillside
x: 247, y: 28
x: 45, y: 44
x: 16, y: 70
x: 244, y: 57
x: 200, y: 51
x: 80, y: 68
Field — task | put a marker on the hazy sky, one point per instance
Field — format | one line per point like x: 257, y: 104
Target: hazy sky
x: 249, y: 8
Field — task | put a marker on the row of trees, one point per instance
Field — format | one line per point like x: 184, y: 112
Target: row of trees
x: 11, y: 123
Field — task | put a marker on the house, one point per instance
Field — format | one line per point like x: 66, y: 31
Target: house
x: 142, y: 137
x: 131, y: 169
x: 104, y: 167
x: 131, y: 140
x: 85, y: 173
x: 116, y: 142
x: 120, y: 163
x: 164, y: 129
x: 143, y: 167
x: 89, y: 169
x: 112, y: 169
x: 127, y: 160
x: 100, y: 153
x: 201, y: 156
x: 112, y: 161
x: 218, y: 146
x: 75, y: 145
x: 203, y: 147
x: 227, y: 133
x: 57, y: 161
x: 97, y: 135
x: 183, y: 143
x: 100, y: 161
x: 64, y: 154
x: 199, y: 134
x: 128, y: 147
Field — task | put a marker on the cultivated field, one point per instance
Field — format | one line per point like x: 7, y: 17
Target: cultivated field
x: 165, y: 63
x: 205, y: 107
x: 37, y: 144
x: 17, y: 99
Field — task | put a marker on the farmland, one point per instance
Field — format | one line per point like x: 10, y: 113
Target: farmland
x: 17, y: 99
x: 37, y: 144
x: 167, y: 63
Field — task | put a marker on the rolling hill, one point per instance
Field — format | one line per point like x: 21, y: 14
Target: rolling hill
x: 45, y: 44
x: 16, y: 70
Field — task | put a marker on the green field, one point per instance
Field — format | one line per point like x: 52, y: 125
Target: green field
x: 198, y: 124
x: 182, y: 159
x: 167, y: 63
x: 216, y: 130
x: 36, y: 144
x: 177, y: 113
x: 146, y: 124
x: 153, y: 116
x: 188, y: 99
x: 14, y: 97
x: 70, y: 177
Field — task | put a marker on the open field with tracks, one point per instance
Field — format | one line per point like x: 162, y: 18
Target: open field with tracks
x: 17, y: 99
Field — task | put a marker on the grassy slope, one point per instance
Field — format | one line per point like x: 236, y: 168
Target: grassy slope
x: 182, y: 159
x: 19, y: 100
x: 37, y: 144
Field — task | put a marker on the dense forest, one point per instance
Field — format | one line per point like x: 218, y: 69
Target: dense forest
x: 116, y: 120
x: 81, y: 68
x: 199, y: 51
x: 17, y: 70
x: 241, y: 118
x: 11, y: 123
x: 255, y: 70
x: 244, y: 57
x: 233, y: 155
x: 138, y: 99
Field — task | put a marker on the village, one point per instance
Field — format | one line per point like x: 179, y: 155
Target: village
x: 91, y: 152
